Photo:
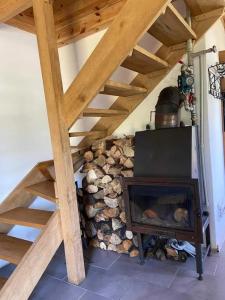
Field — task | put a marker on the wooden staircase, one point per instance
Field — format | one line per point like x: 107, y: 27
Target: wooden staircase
x: 128, y: 21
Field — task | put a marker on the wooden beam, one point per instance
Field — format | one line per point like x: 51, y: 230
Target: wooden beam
x: 143, y: 61
x: 23, y: 22
x: 97, y: 112
x: 171, y: 28
x: 2, y: 282
x: 135, y: 17
x: 150, y: 81
x: 66, y: 191
x: 11, y: 8
x: 34, y: 262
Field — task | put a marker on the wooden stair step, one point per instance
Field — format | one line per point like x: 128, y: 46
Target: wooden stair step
x: 121, y: 89
x: 171, y: 28
x: 95, y: 112
x: 26, y: 217
x: 13, y: 249
x: 143, y: 61
x: 44, y: 189
x: 2, y: 281
x: 95, y: 134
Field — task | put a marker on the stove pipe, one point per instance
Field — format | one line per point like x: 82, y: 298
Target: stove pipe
x: 168, y: 107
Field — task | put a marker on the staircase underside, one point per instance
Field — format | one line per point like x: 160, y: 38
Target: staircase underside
x: 78, y: 19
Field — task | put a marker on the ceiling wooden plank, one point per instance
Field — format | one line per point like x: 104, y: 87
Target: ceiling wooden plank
x: 77, y: 28
x: 11, y: 8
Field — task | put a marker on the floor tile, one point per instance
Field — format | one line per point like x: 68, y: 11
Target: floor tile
x: 100, y: 258
x: 92, y: 296
x: 53, y: 289
x: 57, y: 267
x: 212, y: 287
x: 152, y: 271
x: 101, y: 282
x: 210, y: 264
x: 140, y: 290
x: 7, y: 270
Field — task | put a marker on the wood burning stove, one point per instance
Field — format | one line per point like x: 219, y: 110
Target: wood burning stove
x: 164, y: 197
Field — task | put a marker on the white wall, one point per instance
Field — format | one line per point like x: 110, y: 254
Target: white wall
x: 24, y: 131
x: 214, y: 149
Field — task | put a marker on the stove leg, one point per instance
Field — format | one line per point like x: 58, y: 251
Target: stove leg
x: 208, y: 241
x: 199, y: 261
x: 140, y: 246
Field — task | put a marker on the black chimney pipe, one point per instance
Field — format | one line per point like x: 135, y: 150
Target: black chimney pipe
x: 167, y: 108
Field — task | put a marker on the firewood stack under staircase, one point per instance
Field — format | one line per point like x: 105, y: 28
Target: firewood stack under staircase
x: 56, y: 24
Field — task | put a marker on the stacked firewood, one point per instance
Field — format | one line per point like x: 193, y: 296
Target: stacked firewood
x: 105, y: 221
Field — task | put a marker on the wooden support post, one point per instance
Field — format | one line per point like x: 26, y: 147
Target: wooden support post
x: 46, y: 35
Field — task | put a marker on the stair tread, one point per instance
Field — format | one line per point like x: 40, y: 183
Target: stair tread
x: 2, y: 281
x: 171, y: 28
x: 143, y: 61
x: 44, y: 189
x: 13, y: 249
x: 26, y: 217
x: 95, y: 112
x: 121, y: 89
x: 88, y: 133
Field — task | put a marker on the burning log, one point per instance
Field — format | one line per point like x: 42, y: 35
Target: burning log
x: 181, y: 215
x: 151, y: 214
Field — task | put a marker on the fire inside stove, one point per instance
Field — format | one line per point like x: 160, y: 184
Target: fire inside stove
x: 164, y: 206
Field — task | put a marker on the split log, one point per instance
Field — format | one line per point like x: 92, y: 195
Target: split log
x: 91, y: 189
x: 116, y: 224
x: 134, y: 253
x: 88, y: 156
x: 127, y: 173
x: 106, y: 179
x: 111, y: 212
x: 100, y: 161
x: 91, y: 176
x: 110, y: 202
x: 115, y: 239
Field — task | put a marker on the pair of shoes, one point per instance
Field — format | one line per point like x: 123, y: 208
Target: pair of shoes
x: 184, y: 246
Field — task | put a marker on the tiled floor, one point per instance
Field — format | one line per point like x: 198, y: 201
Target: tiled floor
x: 113, y: 276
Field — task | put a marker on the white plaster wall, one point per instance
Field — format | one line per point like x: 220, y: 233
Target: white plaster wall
x: 214, y: 149
x: 24, y: 131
